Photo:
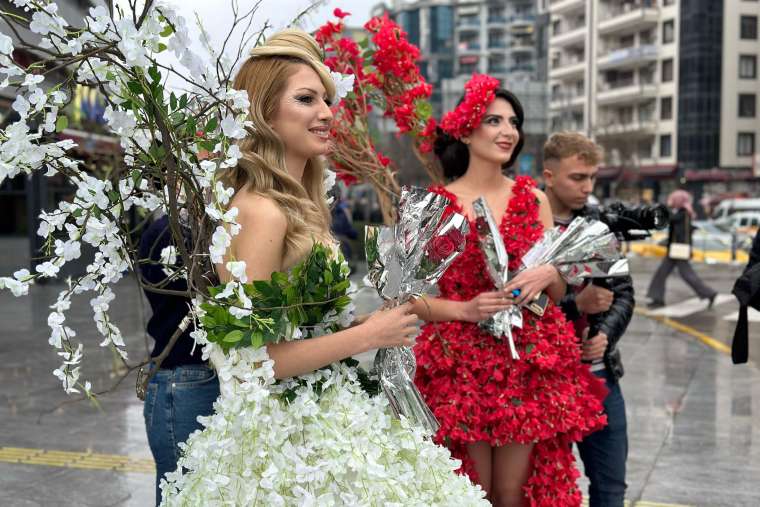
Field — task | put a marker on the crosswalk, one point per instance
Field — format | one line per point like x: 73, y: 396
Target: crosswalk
x: 752, y: 316
x: 689, y: 306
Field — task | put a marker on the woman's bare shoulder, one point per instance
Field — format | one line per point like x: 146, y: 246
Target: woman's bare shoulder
x: 259, y: 209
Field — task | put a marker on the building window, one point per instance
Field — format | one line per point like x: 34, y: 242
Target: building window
x: 668, y: 32
x: 745, y: 144
x: 665, y: 3
x: 748, y: 28
x: 667, y: 71
x: 666, y: 108
x: 666, y: 145
x: 747, y: 66
x: 747, y: 105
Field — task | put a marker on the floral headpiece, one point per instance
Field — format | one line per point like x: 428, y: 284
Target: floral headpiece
x: 479, y: 92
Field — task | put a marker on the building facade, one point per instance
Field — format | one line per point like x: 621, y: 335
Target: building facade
x: 668, y: 87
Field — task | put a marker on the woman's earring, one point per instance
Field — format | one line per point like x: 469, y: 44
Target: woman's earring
x: 465, y: 140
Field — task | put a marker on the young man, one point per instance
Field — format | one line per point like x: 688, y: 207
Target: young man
x: 600, y: 315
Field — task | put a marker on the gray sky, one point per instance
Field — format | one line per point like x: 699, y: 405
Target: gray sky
x: 217, y: 14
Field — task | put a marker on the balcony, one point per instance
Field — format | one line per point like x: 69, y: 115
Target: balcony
x: 628, y: 128
x: 566, y: 6
x: 570, y: 102
x: 497, y: 20
x: 523, y: 24
x: 572, y: 37
x: 630, y: 57
x: 629, y: 18
x: 522, y: 68
x: 522, y: 46
x: 468, y: 23
x: 627, y: 91
x: 468, y: 47
x: 497, y: 69
x: 567, y: 69
x: 497, y: 44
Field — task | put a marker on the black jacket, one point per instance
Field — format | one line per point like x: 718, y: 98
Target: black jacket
x: 680, y: 227
x: 614, y: 321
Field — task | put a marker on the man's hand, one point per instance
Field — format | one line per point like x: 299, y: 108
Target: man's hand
x: 594, y: 348
x: 593, y: 299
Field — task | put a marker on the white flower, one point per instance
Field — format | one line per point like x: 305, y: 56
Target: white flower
x: 220, y: 240
x: 47, y: 269
x: 69, y: 250
x: 19, y: 284
x: 99, y: 19
x: 123, y: 123
x: 344, y: 84
x: 237, y: 270
x: 6, y: 44
x: 21, y: 106
x: 232, y: 128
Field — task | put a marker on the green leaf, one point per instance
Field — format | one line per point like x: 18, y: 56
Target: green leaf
x: 241, y: 323
x: 233, y: 336
x: 135, y: 87
x: 211, y: 125
x: 154, y: 74
x: 364, y: 43
x: 257, y: 339
x: 161, y: 47
x: 183, y: 101
x: 173, y: 101
x: 61, y: 123
x: 529, y: 348
x: 423, y: 109
x: 167, y: 31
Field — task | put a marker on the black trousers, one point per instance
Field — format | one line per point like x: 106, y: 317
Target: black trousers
x: 656, y: 290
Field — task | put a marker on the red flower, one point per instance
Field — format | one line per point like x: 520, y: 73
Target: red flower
x: 440, y: 247
x: 340, y: 14
x: 478, y: 95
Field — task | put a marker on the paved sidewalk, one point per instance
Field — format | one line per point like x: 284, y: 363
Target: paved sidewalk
x: 693, y: 437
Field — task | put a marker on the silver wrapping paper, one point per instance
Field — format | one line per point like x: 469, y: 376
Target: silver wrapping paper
x: 585, y: 249
x: 497, y: 265
x: 406, y: 260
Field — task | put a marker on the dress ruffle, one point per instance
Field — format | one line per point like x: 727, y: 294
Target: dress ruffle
x: 478, y: 393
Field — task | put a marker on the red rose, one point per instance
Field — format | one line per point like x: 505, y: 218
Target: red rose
x: 338, y: 13
x: 441, y: 247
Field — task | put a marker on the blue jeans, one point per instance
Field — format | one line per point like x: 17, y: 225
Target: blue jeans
x: 604, y: 453
x: 174, y: 400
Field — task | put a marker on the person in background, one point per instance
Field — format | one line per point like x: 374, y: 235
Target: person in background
x: 343, y: 228
x: 679, y: 253
x: 600, y: 315
x: 184, y: 386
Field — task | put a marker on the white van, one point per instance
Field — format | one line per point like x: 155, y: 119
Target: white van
x: 730, y: 206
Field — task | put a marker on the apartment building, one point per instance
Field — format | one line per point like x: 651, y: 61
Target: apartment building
x: 668, y: 87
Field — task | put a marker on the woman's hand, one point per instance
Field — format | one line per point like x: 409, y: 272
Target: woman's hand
x: 484, y: 305
x: 391, y: 328
x: 532, y: 282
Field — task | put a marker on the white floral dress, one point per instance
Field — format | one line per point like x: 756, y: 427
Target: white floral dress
x: 327, y: 443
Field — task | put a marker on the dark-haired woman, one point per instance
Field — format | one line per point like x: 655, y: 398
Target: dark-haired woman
x: 510, y: 421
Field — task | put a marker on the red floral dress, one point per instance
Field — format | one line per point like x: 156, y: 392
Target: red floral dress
x: 478, y: 393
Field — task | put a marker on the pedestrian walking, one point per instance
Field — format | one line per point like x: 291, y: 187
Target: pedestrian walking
x: 679, y: 253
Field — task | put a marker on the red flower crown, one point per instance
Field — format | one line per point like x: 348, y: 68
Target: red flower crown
x: 479, y: 92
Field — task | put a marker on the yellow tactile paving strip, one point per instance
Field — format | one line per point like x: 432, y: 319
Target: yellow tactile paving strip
x: 121, y: 463
x: 85, y: 460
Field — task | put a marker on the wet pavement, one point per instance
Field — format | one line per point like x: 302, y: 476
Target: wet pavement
x: 694, y: 439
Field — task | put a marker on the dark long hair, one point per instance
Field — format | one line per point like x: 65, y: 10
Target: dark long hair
x: 453, y: 153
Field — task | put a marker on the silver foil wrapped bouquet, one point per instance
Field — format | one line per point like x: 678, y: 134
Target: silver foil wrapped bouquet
x: 406, y: 260
x: 585, y: 249
x: 497, y: 265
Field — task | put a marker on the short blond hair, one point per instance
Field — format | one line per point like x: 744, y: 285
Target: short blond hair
x: 567, y: 144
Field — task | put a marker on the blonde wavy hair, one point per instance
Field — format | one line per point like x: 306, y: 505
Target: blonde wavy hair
x: 262, y: 167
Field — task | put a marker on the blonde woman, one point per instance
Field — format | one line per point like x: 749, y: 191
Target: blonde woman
x: 328, y: 442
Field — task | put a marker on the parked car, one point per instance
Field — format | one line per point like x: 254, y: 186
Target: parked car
x: 711, y: 242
